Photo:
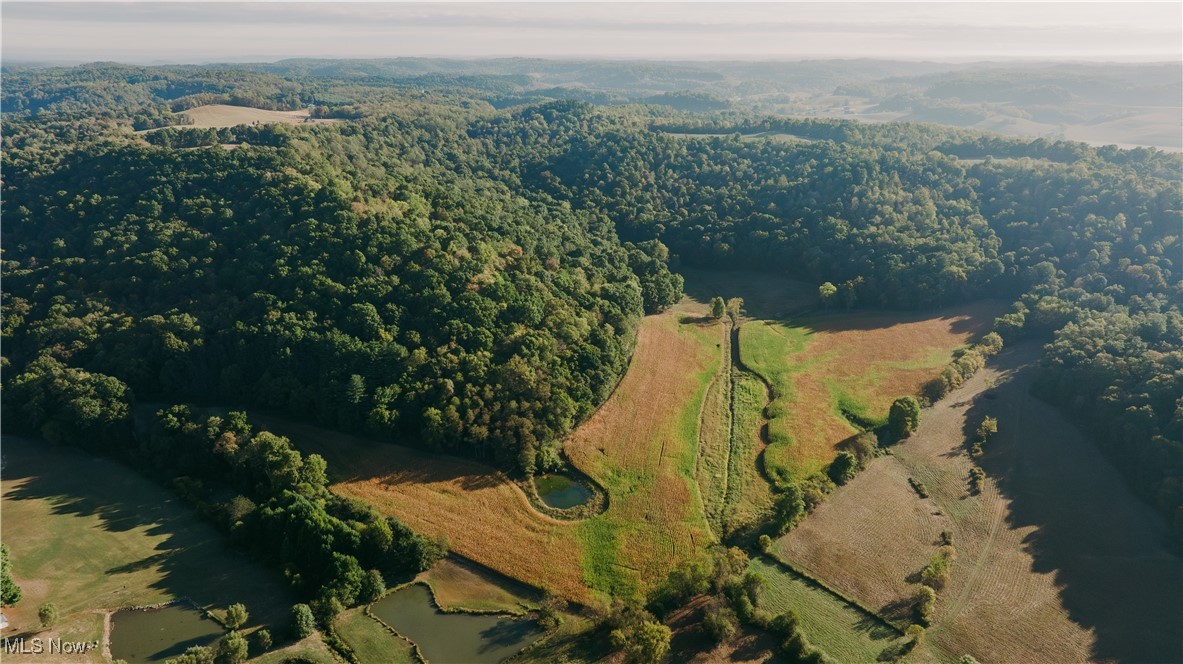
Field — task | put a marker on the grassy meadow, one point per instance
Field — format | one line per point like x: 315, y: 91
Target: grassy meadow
x: 642, y: 446
x: 1056, y: 559
x: 825, y: 370
x: 844, y: 632
x: 92, y: 535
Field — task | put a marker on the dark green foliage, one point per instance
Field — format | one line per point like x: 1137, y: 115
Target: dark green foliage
x: 10, y: 593
x: 372, y: 587
x: 642, y: 638
x: 904, y: 417
x: 976, y: 477
x: 719, y: 623
x: 48, y: 614
x: 718, y: 307
x: 236, y: 616
x: 842, y: 468
x: 303, y: 623
x: 233, y: 648
x: 263, y: 640
x: 195, y: 655
x: 788, y: 508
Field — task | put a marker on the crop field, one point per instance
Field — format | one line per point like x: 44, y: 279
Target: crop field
x: 642, y: 446
x: 217, y: 116
x: 826, y: 368
x: 842, y: 631
x: 478, y: 512
x: 1056, y: 559
x: 106, y: 538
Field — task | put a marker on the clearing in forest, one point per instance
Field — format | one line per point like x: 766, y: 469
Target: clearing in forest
x: 825, y: 370
x: 1056, y: 559
x: 218, y: 116
x: 92, y: 535
x: 476, y: 510
x: 642, y: 447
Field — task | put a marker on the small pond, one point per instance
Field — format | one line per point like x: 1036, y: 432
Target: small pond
x: 453, y: 638
x: 158, y: 634
x: 561, y: 492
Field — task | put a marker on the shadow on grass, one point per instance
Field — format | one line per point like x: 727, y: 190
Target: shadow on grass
x: 1108, y: 549
x: 193, y: 559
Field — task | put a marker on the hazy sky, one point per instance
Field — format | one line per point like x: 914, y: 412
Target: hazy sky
x: 228, y: 31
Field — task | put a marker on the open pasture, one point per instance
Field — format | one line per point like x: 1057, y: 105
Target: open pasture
x: 217, y: 116
x: 642, y: 446
x: 475, y: 509
x: 92, y: 535
x: 841, y: 630
x: 1056, y: 559
x: 825, y: 369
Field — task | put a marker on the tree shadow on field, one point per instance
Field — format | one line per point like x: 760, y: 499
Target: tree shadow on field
x: 1108, y: 549
x: 193, y: 559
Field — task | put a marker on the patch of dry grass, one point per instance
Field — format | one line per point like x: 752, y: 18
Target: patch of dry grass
x: 860, y: 362
x: 642, y: 446
x: 1057, y: 560
x: 474, y: 508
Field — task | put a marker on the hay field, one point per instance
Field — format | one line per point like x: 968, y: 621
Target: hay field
x: 474, y: 508
x: 642, y: 447
x: 217, y: 116
x: 90, y: 534
x: 823, y: 365
x: 1057, y: 560
x: 842, y: 631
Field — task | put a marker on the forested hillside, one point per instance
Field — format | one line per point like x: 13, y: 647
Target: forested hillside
x: 446, y: 274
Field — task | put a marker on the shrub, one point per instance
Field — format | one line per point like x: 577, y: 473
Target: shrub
x: 719, y: 624
x: 976, y: 477
x: 303, y: 623
x: 232, y: 648
x: 48, y: 614
x: 765, y: 544
x: 915, y: 634
x: 372, y: 587
x: 842, y: 468
x: 263, y: 640
x: 919, y: 487
x: 236, y: 616
x: 788, y: 509
x: 904, y: 417
x: 925, y: 602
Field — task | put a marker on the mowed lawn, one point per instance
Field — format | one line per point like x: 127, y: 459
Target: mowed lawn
x: 1057, y: 561
x: 90, y: 534
x: 823, y: 368
x: 642, y: 446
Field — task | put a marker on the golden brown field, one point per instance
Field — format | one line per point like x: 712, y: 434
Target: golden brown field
x: 1057, y: 560
x: 824, y: 365
x: 474, y: 508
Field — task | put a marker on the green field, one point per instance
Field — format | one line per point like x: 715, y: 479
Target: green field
x: 90, y: 535
x: 642, y: 447
x: 829, y: 371
x: 371, y: 641
x: 844, y: 632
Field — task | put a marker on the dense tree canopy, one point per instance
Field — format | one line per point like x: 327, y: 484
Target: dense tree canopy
x: 446, y: 274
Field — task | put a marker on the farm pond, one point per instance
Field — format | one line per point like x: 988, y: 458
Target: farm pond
x: 155, y: 635
x: 453, y: 637
x: 561, y: 492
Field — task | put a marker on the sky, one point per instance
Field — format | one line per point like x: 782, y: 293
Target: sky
x: 211, y: 31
